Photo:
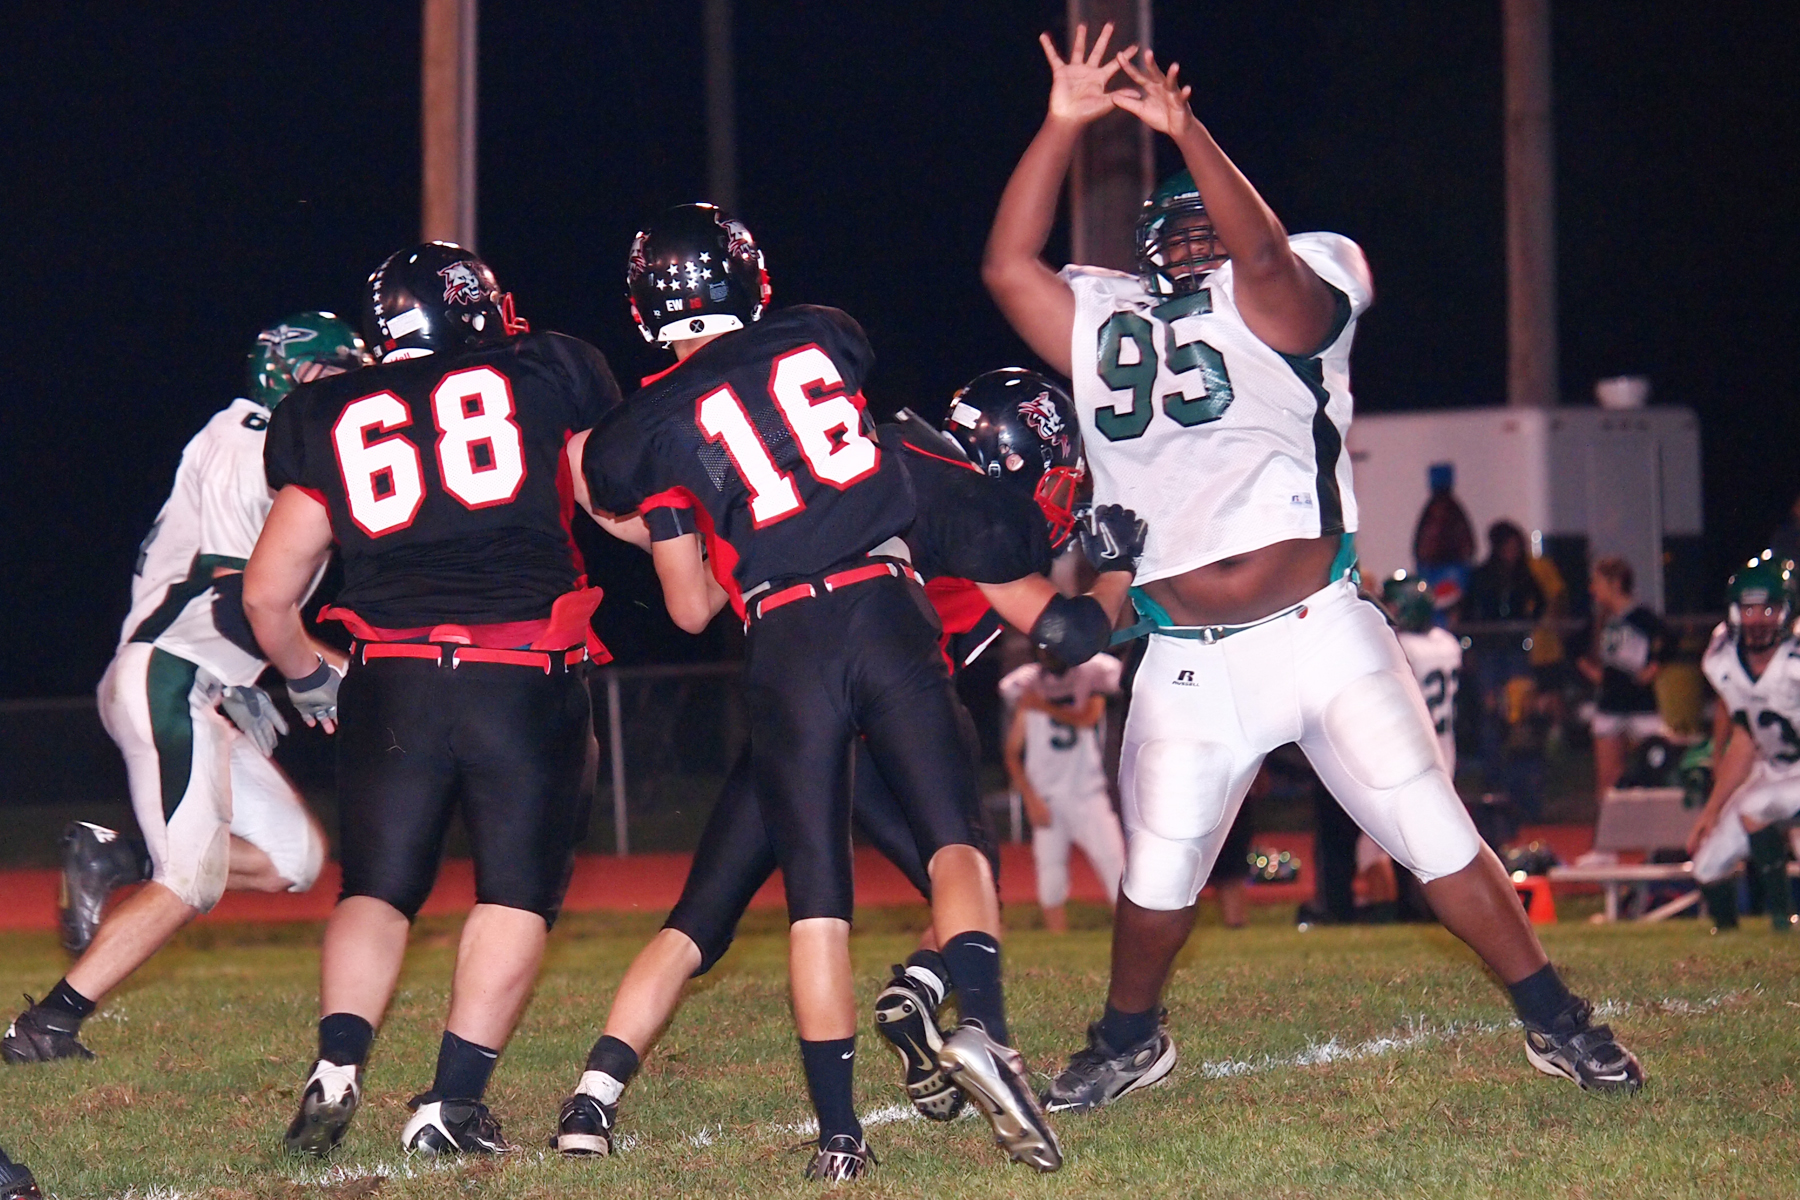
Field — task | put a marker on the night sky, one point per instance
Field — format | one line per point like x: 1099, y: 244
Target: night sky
x: 176, y: 179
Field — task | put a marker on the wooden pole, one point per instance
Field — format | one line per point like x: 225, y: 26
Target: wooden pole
x: 1115, y: 163
x: 721, y: 107
x: 1531, y: 376
x: 447, y: 122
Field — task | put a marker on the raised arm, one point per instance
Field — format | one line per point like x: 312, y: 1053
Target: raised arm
x: 1032, y: 297
x: 1282, y: 300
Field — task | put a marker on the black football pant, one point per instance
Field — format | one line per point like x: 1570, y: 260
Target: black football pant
x: 507, y: 744
x: 860, y: 660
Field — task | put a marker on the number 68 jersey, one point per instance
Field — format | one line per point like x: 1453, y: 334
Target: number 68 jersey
x: 1767, y: 708
x: 1220, y: 443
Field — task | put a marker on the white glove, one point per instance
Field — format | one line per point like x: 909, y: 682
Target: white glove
x: 251, y: 710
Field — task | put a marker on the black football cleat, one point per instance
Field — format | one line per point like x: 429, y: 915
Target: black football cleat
x: 39, y: 1035
x: 327, y: 1103
x: 841, y: 1157
x: 1100, y: 1074
x: 906, y: 1015
x: 96, y: 861
x: 441, y: 1126
x: 584, y: 1128
x: 993, y: 1076
x: 1586, y: 1054
x: 16, y: 1183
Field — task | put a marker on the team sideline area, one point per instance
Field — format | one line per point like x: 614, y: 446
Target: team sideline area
x: 1337, y: 1062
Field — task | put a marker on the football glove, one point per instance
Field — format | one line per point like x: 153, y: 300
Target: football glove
x: 251, y: 710
x: 315, y: 696
x: 1112, y: 537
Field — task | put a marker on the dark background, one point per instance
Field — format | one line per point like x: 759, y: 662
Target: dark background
x: 175, y: 180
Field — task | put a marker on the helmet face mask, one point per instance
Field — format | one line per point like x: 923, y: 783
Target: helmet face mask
x: 436, y: 297
x: 1020, y: 429
x: 299, y: 349
x: 1177, y: 246
x: 697, y: 272
x: 1759, y: 610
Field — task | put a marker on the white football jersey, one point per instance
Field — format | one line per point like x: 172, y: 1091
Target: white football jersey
x: 211, y: 519
x: 1769, y: 707
x: 1436, y: 660
x: 1221, y: 444
x: 1063, y: 762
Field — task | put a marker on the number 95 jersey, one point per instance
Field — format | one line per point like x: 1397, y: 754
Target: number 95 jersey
x: 1767, y: 708
x: 1220, y: 443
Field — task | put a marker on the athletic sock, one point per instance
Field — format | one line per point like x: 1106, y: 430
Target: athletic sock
x: 927, y: 967
x: 462, y: 1069
x: 610, y: 1066
x: 1768, y: 858
x: 1122, y: 1030
x: 1541, y: 997
x: 974, y: 962
x: 66, y: 1000
x: 344, y: 1039
x: 1721, y: 902
x: 830, y: 1067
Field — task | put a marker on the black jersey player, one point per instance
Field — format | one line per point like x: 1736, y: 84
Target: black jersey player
x: 438, y: 474
x: 983, y: 545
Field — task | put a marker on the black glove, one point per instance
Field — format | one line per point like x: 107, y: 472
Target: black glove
x: 1112, y: 537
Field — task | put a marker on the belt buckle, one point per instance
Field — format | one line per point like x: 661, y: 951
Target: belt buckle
x: 1209, y: 635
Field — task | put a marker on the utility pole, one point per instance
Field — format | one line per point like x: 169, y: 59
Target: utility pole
x: 1531, y: 374
x: 447, y: 122
x: 721, y: 106
x: 1115, y: 162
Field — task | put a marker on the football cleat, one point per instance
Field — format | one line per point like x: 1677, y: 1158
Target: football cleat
x: 993, y: 1076
x: 440, y: 1126
x: 38, y: 1035
x: 327, y: 1103
x: 841, y: 1157
x: 585, y: 1127
x: 1577, y: 1050
x: 1099, y: 1074
x: 906, y: 1015
x: 16, y: 1183
x: 95, y: 862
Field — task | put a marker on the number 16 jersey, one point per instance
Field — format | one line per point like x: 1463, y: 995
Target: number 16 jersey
x: 1222, y: 444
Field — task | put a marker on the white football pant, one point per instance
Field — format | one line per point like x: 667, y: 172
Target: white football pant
x: 1090, y: 823
x: 1768, y: 794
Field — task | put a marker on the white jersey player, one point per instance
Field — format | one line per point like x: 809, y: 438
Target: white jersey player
x: 1055, y: 758
x: 1214, y: 395
x: 1753, y: 663
x: 215, y: 812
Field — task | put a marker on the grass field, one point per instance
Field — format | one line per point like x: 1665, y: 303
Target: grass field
x: 1339, y: 1062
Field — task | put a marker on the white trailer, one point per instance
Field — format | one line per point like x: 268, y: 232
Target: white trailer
x: 1581, y: 482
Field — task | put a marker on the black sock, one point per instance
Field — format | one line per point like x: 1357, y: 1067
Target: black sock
x: 614, y: 1057
x: 1768, y: 860
x: 462, y: 1069
x: 931, y: 962
x: 1122, y: 1030
x: 974, y: 962
x: 830, y: 1066
x: 1541, y: 997
x: 344, y: 1039
x: 66, y: 1000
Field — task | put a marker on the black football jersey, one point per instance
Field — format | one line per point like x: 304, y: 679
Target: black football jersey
x: 765, y: 429
x: 445, y: 477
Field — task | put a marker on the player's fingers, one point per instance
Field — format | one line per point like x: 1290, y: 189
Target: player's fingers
x: 1099, y: 51
x: 1056, y: 62
x: 1137, y: 76
x: 1078, y: 48
x: 1174, y: 70
x: 1185, y: 93
x: 1131, y: 102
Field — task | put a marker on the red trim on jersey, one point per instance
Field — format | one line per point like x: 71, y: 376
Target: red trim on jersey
x: 568, y: 626
x: 721, y: 555
x: 675, y: 497
x: 960, y: 604
x: 955, y: 462
x: 647, y: 380
x: 815, y: 391
x: 565, y: 501
x: 315, y: 493
x: 462, y: 407
x: 393, y: 434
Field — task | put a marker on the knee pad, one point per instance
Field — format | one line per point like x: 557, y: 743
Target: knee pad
x: 301, y: 869
x: 198, y: 879
x: 1179, y: 789
x: 1160, y: 874
x: 1430, y: 819
x: 1379, y: 729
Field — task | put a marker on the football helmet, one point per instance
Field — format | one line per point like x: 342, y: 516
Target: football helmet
x: 300, y: 349
x: 1176, y: 245
x: 694, y: 273
x: 1760, y: 589
x: 1020, y: 427
x: 436, y: 297
x: 1408, y: 598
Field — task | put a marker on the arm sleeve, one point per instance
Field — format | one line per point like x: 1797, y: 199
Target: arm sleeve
x: 284, y: 448
x: 616, y: 464
x: 1340, y: 262
x: 234, y: 495
x: 970, y: 527
x: 593, y: 389
x: 838, y: 332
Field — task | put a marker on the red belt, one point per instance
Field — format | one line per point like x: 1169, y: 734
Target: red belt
x: 446, y: 654
x: 763, y: 606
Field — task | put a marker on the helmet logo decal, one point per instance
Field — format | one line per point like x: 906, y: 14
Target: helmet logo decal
x: 1040, y: 413
x: 461, y: 284
x: 283, y: 336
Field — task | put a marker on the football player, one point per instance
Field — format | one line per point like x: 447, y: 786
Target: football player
x: 215, y: 813
x: 760, y: 427
x: 436, y: 475
x: 1433, y: 653
x: 982, y: 549
x: 1753, y: 664
x: 1213, y: 391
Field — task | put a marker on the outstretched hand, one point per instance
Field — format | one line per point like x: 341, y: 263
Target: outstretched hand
x: 1160, y: 101
x: 1078, y: 86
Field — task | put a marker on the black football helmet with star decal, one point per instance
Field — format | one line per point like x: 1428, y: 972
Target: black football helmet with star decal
x: 436, y: 297
x: 696, y: 272
x: 1020, y: 427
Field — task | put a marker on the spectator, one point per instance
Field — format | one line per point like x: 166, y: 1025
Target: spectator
x: 1504, y: 588
x: 1624, y: 653
x: 1444, y: 541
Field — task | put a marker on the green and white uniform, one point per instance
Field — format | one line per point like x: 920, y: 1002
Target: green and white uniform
x: 1768, y: 709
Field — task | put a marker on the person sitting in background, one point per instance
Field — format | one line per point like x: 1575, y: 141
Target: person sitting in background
x: 1626, y: 649
x: 1504, y: 588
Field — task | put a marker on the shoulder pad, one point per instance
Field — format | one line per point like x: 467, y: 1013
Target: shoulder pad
x: 919, y: 434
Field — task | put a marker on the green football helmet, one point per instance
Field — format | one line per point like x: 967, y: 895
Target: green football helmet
x: 1761, y: 584
x: 1408, y: 598
x: 1176, y: 245
x: 300, y: 349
